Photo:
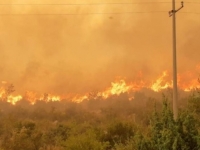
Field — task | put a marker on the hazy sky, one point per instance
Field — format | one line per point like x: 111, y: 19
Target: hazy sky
x: 79, y: 53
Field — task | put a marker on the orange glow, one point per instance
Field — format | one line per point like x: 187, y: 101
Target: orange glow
x: 190, y: 85
x: 66, y: 51
x: 118, y: 87
x: 31, y: 97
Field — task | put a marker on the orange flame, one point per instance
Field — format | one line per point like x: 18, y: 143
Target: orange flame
x: 160, y: 83
x: 14, y: 99
x: 189, y: 85
x: 118, y: 87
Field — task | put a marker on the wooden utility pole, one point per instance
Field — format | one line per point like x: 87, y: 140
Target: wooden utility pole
x: 175, y: 95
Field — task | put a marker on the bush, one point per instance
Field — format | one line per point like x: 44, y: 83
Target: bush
x: 84, y: 141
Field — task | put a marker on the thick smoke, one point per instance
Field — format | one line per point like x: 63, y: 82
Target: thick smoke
x: 79, y: 53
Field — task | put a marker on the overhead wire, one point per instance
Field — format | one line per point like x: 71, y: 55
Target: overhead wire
x: 89, y: 4
x: 80, y: 14
x: 100, y: 3
x: 125, y: 3
x: 101, y: 13
x: 192, y: 2
x: 198, y: 13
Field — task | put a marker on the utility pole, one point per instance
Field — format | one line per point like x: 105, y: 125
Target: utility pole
x: 175, y: 95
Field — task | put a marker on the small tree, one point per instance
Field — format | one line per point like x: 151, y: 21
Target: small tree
x: 85, y: 141
x: 166, y: 133
x: 8, y: 91
x: 118, y: 132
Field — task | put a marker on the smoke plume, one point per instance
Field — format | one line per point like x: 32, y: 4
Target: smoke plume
x: 79, y: 48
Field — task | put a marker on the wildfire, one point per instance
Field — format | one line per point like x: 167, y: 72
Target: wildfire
x: 32, y: 97
x: 14, y: 99
x: 118, y: 87
x: 160, y: 83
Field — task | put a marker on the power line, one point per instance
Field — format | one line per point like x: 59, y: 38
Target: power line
x: 106, y: 13
x: 192, y: 2
x: 191, y: 13
x: 131, y: 3
x: 63, y: 4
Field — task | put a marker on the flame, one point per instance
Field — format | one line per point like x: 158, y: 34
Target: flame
x: 189, y: 80
x: 160, y: 83
x: 2, y: 91
x: 14, y: 99
x: 186, y: 82
x: 79, y: 99
x: 33, y: 97
x: 116, y: 88
x: 11, y: 99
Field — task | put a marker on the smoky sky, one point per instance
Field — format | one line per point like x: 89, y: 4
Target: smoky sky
x: 75, y: 48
